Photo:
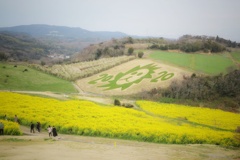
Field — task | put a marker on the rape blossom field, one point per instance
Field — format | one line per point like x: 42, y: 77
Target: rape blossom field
x: 213, y: 118
x: 153, y: 122
x: 11, y: 128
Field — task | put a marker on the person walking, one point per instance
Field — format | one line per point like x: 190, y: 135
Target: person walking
x: 54, y: 130
x: 32, y: 128
x: 16, y: 119
x: 38, y: 127
x: 1, y: 128
x: 49, y: 131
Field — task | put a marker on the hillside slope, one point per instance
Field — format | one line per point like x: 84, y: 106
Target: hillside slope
x: 19, y: 46
x: 23, y: 78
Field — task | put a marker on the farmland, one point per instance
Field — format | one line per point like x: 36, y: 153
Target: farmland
x: 91, y: 119
x: 204, y: 63
x: 79, y: 70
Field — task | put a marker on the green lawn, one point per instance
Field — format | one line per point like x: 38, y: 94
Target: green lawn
x: 236, y: 55
x: 209, y: 64
x: 13, y: 78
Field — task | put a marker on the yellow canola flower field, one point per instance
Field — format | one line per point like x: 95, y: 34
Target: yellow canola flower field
x: 11, y: 128
x: 202, y: 116
x: 88, y: 118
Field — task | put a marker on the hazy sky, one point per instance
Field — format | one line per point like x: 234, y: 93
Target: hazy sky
x: 166, y: 18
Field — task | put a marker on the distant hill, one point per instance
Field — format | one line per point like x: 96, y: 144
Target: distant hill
x: 21, y: 47
x: 54, y: 41
x: 38, y: 30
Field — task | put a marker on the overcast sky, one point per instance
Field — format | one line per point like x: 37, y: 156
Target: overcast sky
x: 164, y: 18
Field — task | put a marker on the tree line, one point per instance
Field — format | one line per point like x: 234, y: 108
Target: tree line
x: 223, y: 88
x: 112, y: 48
x: 188, y: 43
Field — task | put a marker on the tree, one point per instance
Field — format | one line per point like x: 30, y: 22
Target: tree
x: 130, y: 40
x: 43, y: 63
x: 3, y: 56
x: 98, y: 54
x: 154, y: 46
x: 130, y: 51
x: 140, y: 54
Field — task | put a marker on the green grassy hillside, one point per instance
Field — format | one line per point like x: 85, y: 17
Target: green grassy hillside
x: 27, y: 79
x: 236, y: 55
x: 210, y: 64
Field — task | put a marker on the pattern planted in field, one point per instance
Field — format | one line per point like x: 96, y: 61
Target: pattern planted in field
x: 124, y: 80
x: 132, y: 77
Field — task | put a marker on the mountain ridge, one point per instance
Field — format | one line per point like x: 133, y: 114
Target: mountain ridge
x: 43, y: 30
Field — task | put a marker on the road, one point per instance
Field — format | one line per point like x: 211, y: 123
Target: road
x: 38, y: 146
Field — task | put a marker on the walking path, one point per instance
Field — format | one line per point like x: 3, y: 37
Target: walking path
x: 39, y: 146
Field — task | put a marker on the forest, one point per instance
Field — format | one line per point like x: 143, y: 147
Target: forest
x: 220, y: 91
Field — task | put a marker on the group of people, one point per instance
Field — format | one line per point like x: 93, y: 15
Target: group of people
x: 52, y: 131
x: 15, y: 118
x: 38, y: 126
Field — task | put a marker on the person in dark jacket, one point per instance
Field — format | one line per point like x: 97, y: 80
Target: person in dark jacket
x: 32, y: 128
x: 38, y: 127
x: 54, y: 131
x: 1, y: 128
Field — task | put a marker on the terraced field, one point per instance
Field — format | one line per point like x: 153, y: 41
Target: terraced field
x: 79, y: 70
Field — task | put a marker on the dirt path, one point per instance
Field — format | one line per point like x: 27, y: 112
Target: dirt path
x: 102, y: 99
x: 39, y: 146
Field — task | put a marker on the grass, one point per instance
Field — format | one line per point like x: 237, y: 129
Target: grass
x: 15, y: 78
x: 209, y: 64
x: 14, y: 140
x: 236, y: 55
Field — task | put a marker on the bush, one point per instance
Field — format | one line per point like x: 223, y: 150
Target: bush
x: 11, y: 128
x: 154, y: 46
x: 127, y: 105
x: 130, y: 51
x: 117, y: 102
x: 140, y: 54
x: 237, y: 134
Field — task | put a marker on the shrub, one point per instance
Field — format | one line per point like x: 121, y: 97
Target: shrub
x: 128, y: 105
x: 117, y: 102
x: 140, y: 54
x: 25, y: 70
x: 154, y: 46
x: 237, y: 134
x: 130, y: 51
x: 11, y: 128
